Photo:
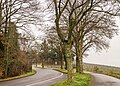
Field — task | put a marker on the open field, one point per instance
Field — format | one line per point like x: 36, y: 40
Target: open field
x: 103, y: 69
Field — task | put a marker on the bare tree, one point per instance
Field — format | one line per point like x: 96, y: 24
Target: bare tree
x: 73, y: 12
x: 11, y: 11
x: 56, y: 45
x: 61, y: 8
x: 94, y: 30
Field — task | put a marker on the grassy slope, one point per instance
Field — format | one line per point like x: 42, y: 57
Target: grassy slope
x: 103, y: 69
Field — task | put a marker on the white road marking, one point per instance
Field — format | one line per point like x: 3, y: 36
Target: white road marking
x: 45, y: 80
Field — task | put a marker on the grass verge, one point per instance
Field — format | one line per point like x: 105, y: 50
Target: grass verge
x: 78, y: 80
x: 103, y: 69
x: 21, y: 76
x: 113, y: 75
x: 60, y: 70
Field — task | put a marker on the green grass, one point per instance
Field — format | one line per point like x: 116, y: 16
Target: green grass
x: 113, y: 75
x: 79, y: 80
x: 21, y: 76
x: 60, y: 70
x: 103, y: 69
x: 48, y: 66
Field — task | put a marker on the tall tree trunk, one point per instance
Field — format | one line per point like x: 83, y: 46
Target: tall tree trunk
x: 81, y: 56
x: 0, y: 15
x: 62, y: 62
x: 63, y: 54
x: 77, y: 56
x: 65, y: 61
x: 77, y: 64
x: 36, y: 62
x: 79, y: 61
x: 68, y: 55
x: 43, y: 62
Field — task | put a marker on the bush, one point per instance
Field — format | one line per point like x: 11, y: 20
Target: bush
x: 96, y: 69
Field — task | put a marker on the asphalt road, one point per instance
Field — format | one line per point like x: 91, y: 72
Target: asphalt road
x: 104, y: 80
x: 43, y: 77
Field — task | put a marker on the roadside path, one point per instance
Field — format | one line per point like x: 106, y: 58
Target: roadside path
x: 104, y: 80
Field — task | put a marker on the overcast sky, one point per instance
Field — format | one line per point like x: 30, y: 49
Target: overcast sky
x: 107, y: 57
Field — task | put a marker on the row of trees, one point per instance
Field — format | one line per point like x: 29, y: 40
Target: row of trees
x: 46, y: 54
x: 82, y: 25
x: 16, y: 15
x: 13, y: 61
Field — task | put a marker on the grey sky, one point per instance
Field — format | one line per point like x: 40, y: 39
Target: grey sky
x: 107, y: 57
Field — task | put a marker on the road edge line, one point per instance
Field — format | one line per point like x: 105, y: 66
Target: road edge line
x: 45, y: 80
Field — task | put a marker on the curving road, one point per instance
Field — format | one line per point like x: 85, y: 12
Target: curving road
x: 104, y: 80
x: 43, y: 77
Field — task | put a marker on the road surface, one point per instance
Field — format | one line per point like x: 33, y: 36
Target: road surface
x: 43, y: 77
x: 104, y: 80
